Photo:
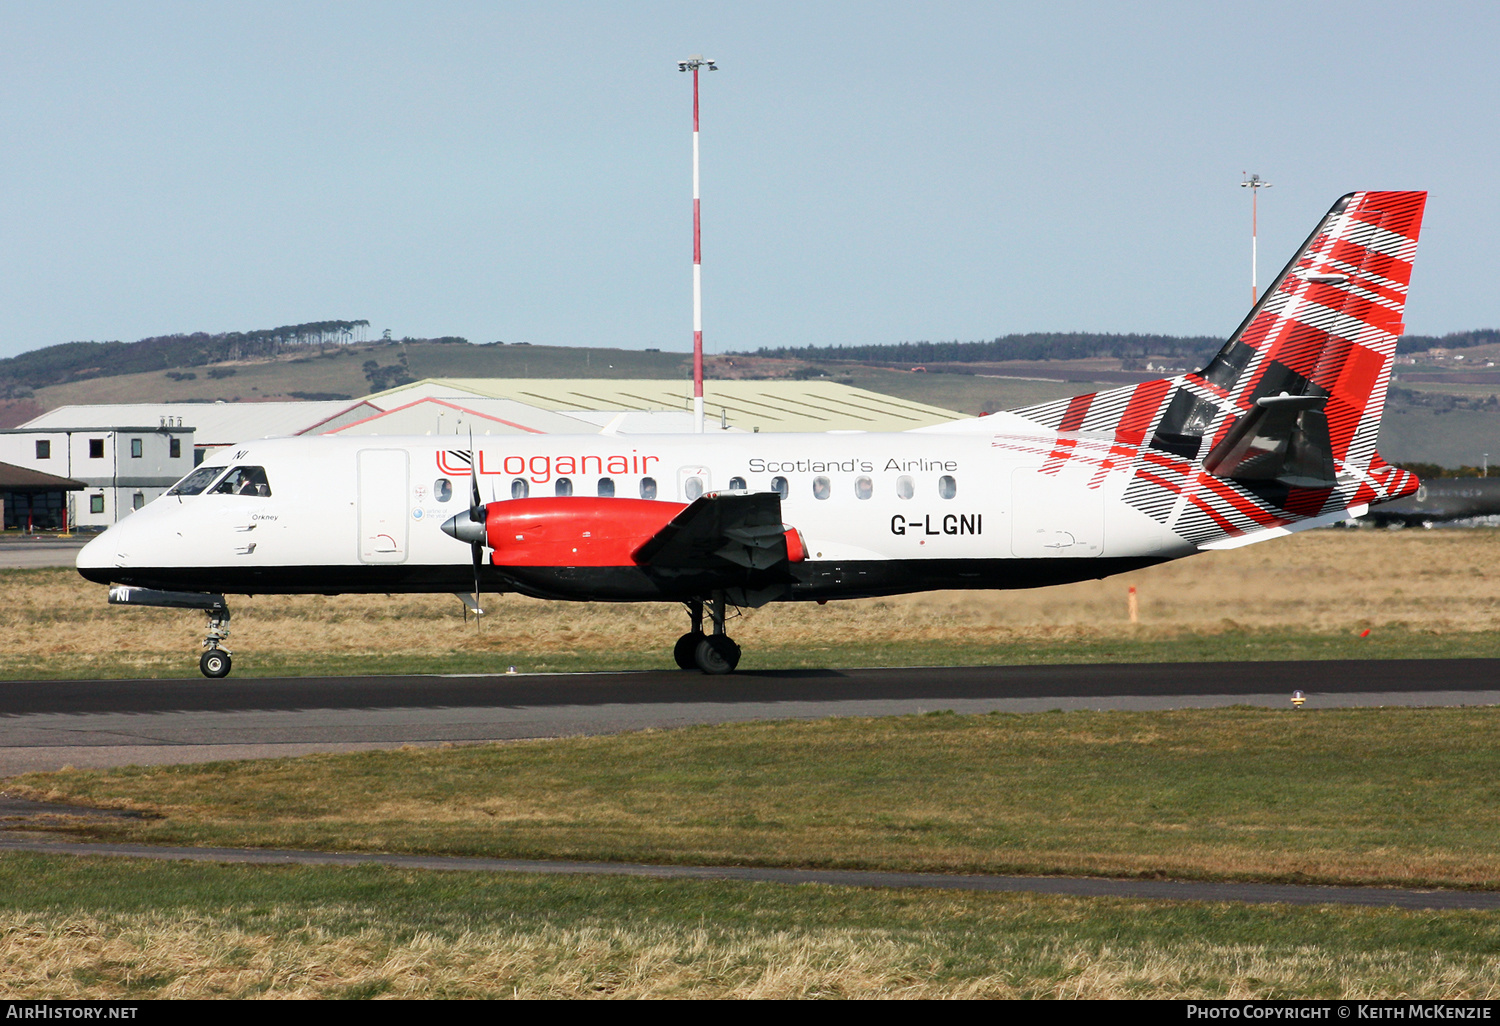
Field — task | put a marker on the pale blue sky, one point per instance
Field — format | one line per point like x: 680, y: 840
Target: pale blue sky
x: 872, y: 172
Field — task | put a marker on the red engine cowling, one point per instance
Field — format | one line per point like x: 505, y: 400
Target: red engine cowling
x: 573, y: 530
x: 582, y: 531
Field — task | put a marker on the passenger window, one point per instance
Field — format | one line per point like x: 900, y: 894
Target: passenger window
x: 442, y: 489
x: 947, y: 487
x: 736, y: 483
x: 904, y: 488
x: 519, y: 488
x: 822, y: 488
x: 244, y: 481
x: 564, y: 486
x: 648, y: 487
x: 693, y: 488
x: 863, y: 487
x: 606, y: 488
x: 780, y: 487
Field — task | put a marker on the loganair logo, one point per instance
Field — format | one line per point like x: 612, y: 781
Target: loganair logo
x: 541, y: 469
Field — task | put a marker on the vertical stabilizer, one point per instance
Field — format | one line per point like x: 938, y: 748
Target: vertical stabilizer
x: 1280, y: 428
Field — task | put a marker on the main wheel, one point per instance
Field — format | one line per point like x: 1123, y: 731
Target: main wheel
x: 717, y: 654
x: 215, y: 663
x: 686, y: 649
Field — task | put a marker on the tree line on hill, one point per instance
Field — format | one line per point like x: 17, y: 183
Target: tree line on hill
x: 1033, y: 346
x: 1195, y: 349
x: 79, y: 361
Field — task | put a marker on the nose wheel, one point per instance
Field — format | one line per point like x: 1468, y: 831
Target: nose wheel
x: 215, y: 663
x: 714, y: 653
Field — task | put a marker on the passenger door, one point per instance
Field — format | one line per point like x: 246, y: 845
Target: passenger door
x: 383, y: 482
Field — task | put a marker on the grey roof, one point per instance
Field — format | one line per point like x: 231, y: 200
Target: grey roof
x: 213, y: 423
x: 429, y: 415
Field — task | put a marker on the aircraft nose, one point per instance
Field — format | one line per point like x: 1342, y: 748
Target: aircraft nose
x: 99, y: 556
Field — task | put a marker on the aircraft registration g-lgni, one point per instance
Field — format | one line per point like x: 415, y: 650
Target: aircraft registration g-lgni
x: 1277, y: 434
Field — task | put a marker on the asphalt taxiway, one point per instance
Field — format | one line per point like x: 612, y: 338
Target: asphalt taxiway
x: 49, y: 724
x: 30, y: 551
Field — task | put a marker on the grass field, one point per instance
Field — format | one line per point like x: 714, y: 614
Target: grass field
x: 77, y: 928
x: 1365, y: 796
x: 1418, y: 593
x: 1392, y: 796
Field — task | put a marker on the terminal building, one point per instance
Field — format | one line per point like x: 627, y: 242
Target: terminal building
x: 119, y: 468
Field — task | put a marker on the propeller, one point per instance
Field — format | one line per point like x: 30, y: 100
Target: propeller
x: 476, y: 516
x: 469, y: 526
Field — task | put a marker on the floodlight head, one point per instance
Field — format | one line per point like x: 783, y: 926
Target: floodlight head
x: 682, y: 65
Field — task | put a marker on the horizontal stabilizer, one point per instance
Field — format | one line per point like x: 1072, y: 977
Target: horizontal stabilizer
x: 1283, y: 438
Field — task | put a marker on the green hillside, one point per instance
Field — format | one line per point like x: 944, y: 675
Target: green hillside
x: 1448, y: 423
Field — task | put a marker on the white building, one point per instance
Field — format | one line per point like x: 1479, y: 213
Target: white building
x: 211, y: 425
x: 122, y: 468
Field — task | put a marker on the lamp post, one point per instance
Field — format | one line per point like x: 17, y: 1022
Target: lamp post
x: 693, y: 64
x: 1254, y: 184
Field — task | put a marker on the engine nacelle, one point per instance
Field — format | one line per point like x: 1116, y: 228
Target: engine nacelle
x: 575, y: 531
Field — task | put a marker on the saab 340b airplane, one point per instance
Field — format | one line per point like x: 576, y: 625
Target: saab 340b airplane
x: 1277, y: 434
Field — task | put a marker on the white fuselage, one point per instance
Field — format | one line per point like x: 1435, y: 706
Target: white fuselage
x: 376, y: 504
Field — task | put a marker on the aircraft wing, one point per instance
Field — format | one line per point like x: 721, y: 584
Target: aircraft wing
x: 718, y: 532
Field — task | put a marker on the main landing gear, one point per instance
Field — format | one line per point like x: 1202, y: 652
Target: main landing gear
x: 714, y: 653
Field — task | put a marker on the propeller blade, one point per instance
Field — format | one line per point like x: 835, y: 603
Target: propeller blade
x: 476, y: 515
x: 474, y: 501
x: 478, y: 551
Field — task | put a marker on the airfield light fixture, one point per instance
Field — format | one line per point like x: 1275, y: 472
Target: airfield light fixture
x: 1254, y: 183
x: 692, y: 64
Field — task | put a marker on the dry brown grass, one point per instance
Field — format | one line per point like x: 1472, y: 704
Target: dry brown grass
x: 192, y: 955
x: 1323, y: 581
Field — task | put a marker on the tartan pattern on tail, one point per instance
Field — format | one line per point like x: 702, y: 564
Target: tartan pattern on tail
x: 1327, y: 327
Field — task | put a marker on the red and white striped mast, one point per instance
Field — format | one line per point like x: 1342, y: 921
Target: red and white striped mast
x: 1254, y: 184
x: 693, y: 64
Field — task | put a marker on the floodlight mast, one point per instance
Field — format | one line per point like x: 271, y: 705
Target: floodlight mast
x: 693, y: 64
x: 1254, y: 184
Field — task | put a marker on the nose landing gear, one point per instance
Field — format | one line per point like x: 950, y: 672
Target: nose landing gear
x: 714, y: 653
x: 215, y: 661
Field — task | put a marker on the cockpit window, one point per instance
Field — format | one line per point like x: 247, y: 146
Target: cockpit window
x: 244, y: 481
x: 195, y: 482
